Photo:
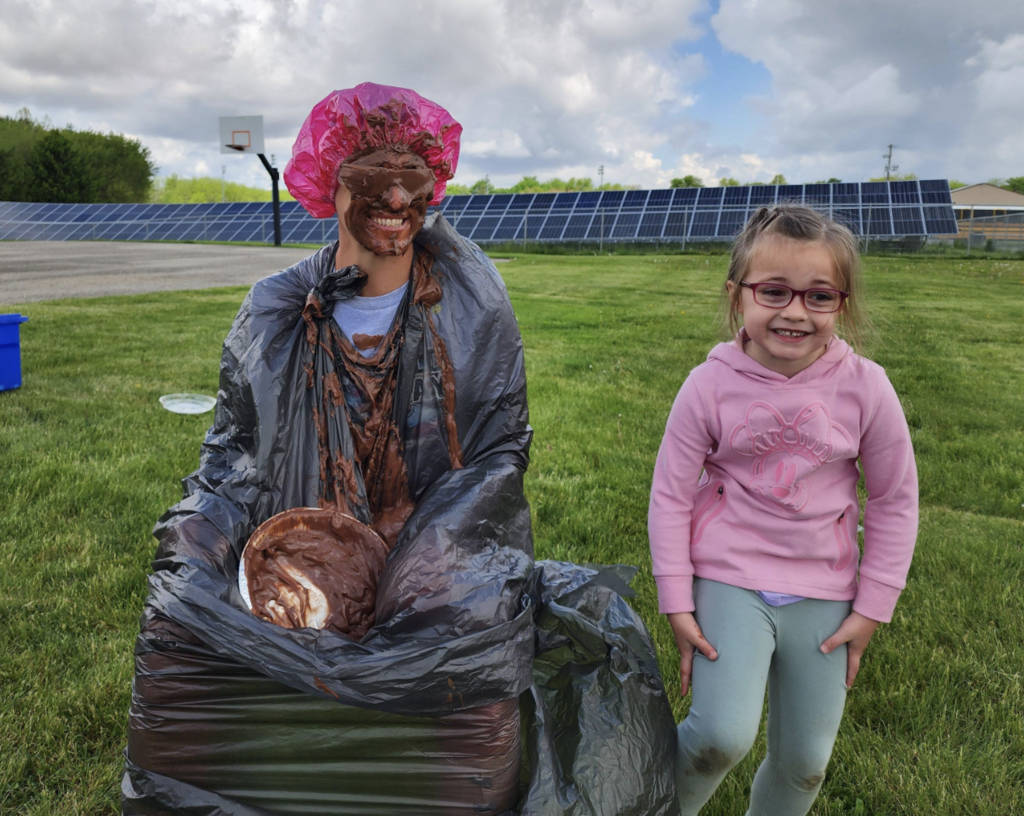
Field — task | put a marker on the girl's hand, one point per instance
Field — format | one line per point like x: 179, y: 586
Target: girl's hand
x: 856, y: 630
x: 688, y: 638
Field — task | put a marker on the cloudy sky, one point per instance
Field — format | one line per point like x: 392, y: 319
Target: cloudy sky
x: 650, y: 89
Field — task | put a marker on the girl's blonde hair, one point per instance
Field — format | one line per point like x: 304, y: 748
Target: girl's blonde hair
x: 800, y: 223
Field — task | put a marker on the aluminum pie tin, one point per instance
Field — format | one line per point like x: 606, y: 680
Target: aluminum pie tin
x: 187, y: 403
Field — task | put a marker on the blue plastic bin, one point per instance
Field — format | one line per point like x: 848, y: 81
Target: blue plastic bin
x: 10, y: 351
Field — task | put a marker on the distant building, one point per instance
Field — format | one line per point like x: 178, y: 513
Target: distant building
x: 987, y: 200
x: 985, y: 212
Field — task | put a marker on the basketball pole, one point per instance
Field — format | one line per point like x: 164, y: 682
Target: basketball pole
x: 274, y: 176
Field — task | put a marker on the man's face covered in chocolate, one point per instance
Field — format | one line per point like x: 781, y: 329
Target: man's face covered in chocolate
x: 390, y: 192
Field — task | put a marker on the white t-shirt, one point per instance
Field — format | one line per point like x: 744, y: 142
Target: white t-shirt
x: 371, y: 316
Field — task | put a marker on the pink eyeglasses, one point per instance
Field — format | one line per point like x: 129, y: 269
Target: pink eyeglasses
x: 778, y: 296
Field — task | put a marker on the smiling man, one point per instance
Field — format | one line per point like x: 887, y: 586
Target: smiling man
x: 382, y: 377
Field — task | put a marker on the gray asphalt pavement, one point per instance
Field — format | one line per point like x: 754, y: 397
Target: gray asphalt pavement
x: 48, y: 270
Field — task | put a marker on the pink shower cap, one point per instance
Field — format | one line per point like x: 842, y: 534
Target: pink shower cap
x: 367, y: 117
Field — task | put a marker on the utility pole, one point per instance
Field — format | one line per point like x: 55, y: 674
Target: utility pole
x: 890, y: 168
x: 600, y: 173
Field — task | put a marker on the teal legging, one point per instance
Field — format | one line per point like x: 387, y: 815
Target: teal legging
x: 759, y: 644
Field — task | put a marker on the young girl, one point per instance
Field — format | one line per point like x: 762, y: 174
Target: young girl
x: 754, y: 511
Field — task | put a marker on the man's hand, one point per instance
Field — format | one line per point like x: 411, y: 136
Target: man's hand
x: 689, y: 638
x: 856, y: 631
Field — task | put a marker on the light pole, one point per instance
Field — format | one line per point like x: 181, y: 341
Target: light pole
x: 223, y: 172
x: 600, y: 173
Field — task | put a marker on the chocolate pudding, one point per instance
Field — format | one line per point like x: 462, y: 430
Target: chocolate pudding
x: 315, y: 568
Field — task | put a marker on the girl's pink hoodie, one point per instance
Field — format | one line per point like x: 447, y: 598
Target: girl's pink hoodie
x: 776, y: 507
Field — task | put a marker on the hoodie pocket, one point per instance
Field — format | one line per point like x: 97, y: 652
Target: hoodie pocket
x: 710, y: 508
x: 844, y: 541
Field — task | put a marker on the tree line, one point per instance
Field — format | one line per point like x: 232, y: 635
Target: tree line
x: 728, y: 181
x: 207, y: 190
x: 1014, y: 185
x: 530, y: 184
x: 67, y: 166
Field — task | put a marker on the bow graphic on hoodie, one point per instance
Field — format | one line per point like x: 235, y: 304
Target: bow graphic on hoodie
x: 786, y: 453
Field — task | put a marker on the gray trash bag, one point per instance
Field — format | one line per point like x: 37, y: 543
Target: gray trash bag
x: 455, y: 631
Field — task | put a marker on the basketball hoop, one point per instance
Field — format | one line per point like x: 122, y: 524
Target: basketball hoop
x: 244, y: 134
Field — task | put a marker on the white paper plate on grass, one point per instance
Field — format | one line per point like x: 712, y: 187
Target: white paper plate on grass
x: 187, y: 403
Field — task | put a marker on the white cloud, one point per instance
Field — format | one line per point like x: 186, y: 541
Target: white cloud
x: 537, y: 85
x: 938, y: 79
x: 709, y: 168
x: 544, y: 88
x: 505, y: 143
x: 1002, y: 73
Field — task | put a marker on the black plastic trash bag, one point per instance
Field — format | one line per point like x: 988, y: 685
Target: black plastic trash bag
x: 602, y: 741
x: 231, y: 714
x: 597, y: 727
x: 205, y: 723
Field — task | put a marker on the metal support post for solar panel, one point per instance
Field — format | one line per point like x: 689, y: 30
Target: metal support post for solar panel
x: 601, y: 234
x: 970, y: 231
x: 274, y: 177
x: 920, y: 210
x: 524, y: 230
x: 686, y: 222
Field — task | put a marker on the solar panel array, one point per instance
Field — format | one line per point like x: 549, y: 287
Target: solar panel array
x: 874, y: 209
x: 245, y: 222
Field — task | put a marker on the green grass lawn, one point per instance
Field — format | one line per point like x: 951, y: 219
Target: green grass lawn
x: 935, y: 722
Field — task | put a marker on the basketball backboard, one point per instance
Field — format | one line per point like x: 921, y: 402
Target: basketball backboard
x: 241, y: 134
